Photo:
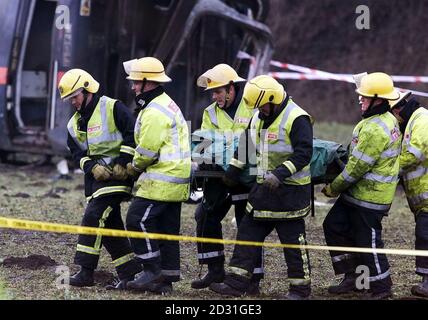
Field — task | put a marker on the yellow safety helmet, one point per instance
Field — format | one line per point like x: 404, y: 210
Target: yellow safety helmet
x: 75, y: 81
x: 219, y: 76
x: 261, y: 90
x: 378, y: 85
x: 358, y: 77
x: 147, y: 68
x: 403, y: 95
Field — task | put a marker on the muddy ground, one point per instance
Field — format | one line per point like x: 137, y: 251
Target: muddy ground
x: 29, y: 260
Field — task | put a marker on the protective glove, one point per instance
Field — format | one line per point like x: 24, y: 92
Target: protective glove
x: 101, y: 173
x: 131, y: 170
x: 119, y: 173
x: 271, y: 181
x: 328, y: 192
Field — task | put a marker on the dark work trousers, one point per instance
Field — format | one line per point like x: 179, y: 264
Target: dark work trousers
x: 289, y: 231
x: 421, y: 232
x: 208, y: 225
x: 156, y: 217
x: 351, y: 226
x: 104, y: 212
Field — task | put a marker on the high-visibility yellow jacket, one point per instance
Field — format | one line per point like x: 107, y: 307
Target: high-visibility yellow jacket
x: 370, y: 177
x: 162, y: 152
x: 273, y: 149
x: 414, y: 161
x: 218, y: 119
x: 103, y: 142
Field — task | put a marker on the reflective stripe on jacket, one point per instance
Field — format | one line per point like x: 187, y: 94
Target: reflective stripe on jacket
x: 103, y: 142
x: 370, y: 177
x: 273, y: 149
x: 414, y: 161
x: 103, y: 137
x: 162, y: 152
x: 273, y: 145
x: 216, y: 118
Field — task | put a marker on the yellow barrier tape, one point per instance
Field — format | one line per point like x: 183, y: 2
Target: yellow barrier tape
x: 70, y: 229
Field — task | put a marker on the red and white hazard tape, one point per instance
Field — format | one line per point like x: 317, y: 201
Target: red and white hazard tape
x: 338, y: 77
x: 304, y: 73
x: 323, y: 75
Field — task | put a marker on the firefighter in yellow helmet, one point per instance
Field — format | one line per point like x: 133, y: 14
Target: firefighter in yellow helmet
x: 101, y: 142
x: 413, y: 120
x: 161, y: 165
x: 280, y: 134
x: 228, y: 115
x: 366, y: 188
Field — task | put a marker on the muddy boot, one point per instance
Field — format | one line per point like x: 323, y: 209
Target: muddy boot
x: 378, y: 295
x: 301, y: 292
x: 347, y: 285
x: 421, y: 289
x: 234, y: 285
x: 215, y: 275
x: 380, y: 290
x: 144, y: 280
x: 119, y: 284
x: 162, y: 288
x: 254, y: 288
x: 84, y: 278
x: 226, y: 290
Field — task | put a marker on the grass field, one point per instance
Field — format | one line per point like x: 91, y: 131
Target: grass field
x: 3, y: 293
x: 29, y: 192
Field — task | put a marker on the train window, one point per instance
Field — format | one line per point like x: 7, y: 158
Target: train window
x: 33, y: 87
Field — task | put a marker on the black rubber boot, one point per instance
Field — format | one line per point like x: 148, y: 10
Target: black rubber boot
x: 215, y: 275
x: 301, y: 292
x: 226, y: 290
x: 83, y: 278
x: 380, y: 290
x: 421, y: 289
x: 119, y: 284
x: 254, y: 288
x: 162, y: 288
x: 234, y: 285
x: 144, y: 280
x: 378, y: 295
x: 347, y: 285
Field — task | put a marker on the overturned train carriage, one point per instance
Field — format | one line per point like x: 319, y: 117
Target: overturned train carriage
x: 42, y: 39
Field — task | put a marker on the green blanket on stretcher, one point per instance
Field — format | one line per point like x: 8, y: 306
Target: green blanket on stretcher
x: 211, y: 146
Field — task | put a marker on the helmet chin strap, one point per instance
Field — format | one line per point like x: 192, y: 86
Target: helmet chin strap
x: 85, y: 99
x: 369, y: 108
x: 262, y: 116
x: 271, y: 109
x: 140, y: 98
x: 227, y: 96
x: 143, y: 85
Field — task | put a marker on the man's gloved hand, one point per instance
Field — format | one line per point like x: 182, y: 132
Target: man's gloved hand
x: 328, y: 192
x: 271, y: 181
x: 119, y: 173
x: 231, y: 177
x: 101, y: 173
x: 132, y: 171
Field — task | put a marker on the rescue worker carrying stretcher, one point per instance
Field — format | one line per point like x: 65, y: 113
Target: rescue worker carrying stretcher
x: 101, y: 142
x: 228, y: 115
x: 281, y: 135
x: 366, y: 188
